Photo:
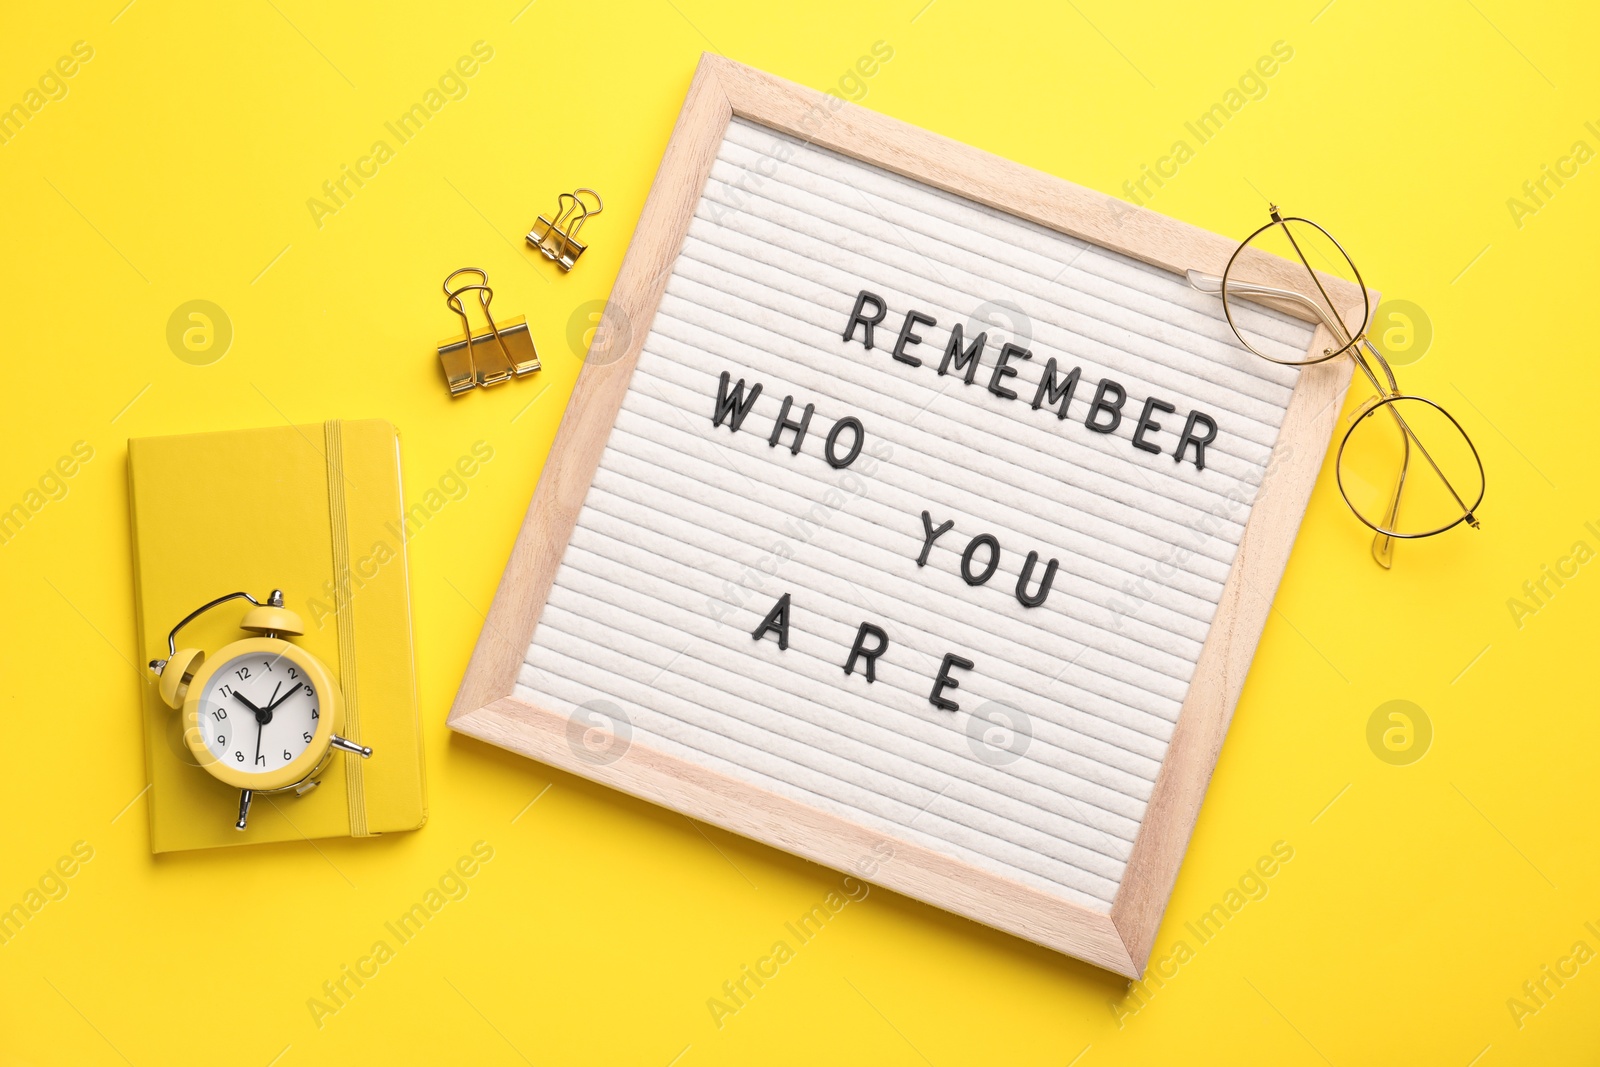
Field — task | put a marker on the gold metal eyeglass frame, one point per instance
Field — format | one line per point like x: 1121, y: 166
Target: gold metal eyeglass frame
x: 1360, y: 348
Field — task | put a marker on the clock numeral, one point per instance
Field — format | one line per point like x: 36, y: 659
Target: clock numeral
x: 224, y: 692
x: 239, y: 756
x: 293, y: 674
x: 314, y: 715
x: 220, y: 714
x: 305, y: 735
x: 267, y: 663
x: 286, y: 756
x: 310, y: 691
x: 243, y: 673
x: 222, y: 740
x: 261, y: 760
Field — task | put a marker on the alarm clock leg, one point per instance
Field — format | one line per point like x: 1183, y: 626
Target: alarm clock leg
x: 244, y: 808
x: 350, y: 746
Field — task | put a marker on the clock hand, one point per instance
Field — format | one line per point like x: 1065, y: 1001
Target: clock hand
x: 246, y: 702
x: 274, y: 705
x: 261, y: 725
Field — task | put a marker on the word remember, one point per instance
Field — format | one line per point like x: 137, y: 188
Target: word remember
x: 1103, y: 415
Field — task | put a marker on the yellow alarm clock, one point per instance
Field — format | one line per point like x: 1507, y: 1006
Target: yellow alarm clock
x: 262, y: 715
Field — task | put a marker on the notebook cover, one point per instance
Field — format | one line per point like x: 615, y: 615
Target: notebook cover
x: 317, y: 512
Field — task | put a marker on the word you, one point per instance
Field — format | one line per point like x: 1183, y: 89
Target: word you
x: 1252, y: 886
x: 1537, y: 992
x: 739, y: 992
x: 1538, y: 592
x: 52, y: 488
x: 1551, y: 179
x: 52, y: 886
x: 452, y: 886
x: 52, y: 85
x: 1104, y: 412
x: 1252, y: 85
x: 452, y: 485
x: 452, y: 85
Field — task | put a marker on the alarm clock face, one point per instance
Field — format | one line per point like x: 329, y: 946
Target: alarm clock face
x: 259, y: 712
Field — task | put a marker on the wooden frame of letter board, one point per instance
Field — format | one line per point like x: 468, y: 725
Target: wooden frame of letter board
x: 485, y: 707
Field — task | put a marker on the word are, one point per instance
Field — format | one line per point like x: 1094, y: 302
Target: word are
x: 1552, y: 178
x: 1103, y: 415
x: 339, y: 191
x: 990, y: 545
x: 734, y: 404
x: 52, y: 86
x: 776, y: 622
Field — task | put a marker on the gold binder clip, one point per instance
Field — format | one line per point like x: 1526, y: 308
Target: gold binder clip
x: 489, y: 356
x: 557, y: 238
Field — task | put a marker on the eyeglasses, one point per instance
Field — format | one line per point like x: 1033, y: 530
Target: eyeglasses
x: 1269, y: 290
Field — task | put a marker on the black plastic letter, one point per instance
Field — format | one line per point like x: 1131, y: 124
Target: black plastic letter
x: 1050, y: 392
x: 867, y: 321
x: 733, y: 406
x: 943, y: 681
x: 833, y: 437
x: 913, y: 320
x: 1002, y: 372
x: 1033, y: 600
x: 1195, y: 418
x: 859, y: 650
x: 954, y: 358
x: 778, y: 620
x: 1100, y: 404
x: 1147, y: 423
x: 930, y: 534
x: 994, y: 559
x: 786, y: 423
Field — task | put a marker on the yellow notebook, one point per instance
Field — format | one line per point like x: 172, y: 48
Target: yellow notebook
x: 315, y: 511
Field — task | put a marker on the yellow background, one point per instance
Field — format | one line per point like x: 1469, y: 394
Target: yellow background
x: 178, y: 167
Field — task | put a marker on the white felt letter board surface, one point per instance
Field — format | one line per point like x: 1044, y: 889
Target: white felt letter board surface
x: 912, y: 514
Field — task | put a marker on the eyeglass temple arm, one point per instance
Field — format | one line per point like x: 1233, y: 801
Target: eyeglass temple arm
x: 1382, y: 544
x: 1212, y: 284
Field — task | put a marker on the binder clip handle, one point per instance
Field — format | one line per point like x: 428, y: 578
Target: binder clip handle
x: 557, y: 238
x: 452, y: 297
